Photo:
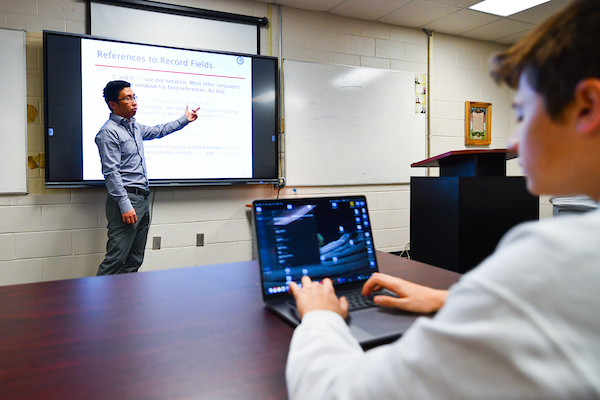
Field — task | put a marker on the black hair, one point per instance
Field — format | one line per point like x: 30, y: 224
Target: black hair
x: 112, y: 90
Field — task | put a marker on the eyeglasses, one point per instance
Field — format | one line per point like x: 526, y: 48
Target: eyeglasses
x: 128, y: 99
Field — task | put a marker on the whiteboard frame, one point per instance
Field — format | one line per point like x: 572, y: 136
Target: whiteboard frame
x: 13, y: 112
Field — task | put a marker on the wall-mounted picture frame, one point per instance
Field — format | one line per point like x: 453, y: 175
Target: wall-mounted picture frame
x: 478, y: 123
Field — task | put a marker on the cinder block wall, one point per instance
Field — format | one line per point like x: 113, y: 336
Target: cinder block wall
x: 52, y: 234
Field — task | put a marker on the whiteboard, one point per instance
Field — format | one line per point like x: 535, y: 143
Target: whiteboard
x: 13, y: 112
x: 350, y: 125
x: 153, y: 27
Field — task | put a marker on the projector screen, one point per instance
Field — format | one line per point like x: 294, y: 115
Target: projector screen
x: 161, y: 28
x: 234, y: 139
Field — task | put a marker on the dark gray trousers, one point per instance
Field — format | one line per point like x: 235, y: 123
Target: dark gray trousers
x: 126, y: 243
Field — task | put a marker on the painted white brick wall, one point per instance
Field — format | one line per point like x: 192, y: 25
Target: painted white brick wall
x: 74, y: 266
x: 60, y: 233
x: 7, y: 247
x: 89, y: 241
x: 20, y: 219
x: 391, y: 237
x: 69, y: 216
x: 26, y: 7
x: 43, y: 244
x: 391, y: 49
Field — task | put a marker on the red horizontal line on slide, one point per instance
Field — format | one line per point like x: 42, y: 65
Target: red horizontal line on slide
x: 171, y: 72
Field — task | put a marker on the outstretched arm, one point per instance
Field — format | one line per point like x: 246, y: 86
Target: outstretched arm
x: 411, y: 296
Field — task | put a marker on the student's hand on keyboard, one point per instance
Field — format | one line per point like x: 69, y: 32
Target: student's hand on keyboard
x: 411, y: 296
x: 318, y: 296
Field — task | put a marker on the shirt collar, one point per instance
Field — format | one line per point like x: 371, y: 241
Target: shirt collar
x: 122, y: 121
x: 119, y: 120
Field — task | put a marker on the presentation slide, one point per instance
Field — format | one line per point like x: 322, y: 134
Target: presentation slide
x: 165, y: 80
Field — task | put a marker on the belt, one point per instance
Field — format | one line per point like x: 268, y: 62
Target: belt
x: 138, y: 191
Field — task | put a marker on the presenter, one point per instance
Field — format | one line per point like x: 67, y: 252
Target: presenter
x: 524, y: 323
x: 120, y: 143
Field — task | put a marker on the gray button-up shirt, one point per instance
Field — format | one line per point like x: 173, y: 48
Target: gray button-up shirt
x: 120, y: 143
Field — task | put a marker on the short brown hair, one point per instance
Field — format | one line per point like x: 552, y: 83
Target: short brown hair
x: 555, y: 56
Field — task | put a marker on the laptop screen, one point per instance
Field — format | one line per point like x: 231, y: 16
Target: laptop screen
x: 319, y: 237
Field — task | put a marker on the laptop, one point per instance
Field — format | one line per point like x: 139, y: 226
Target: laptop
x: 324, y: 237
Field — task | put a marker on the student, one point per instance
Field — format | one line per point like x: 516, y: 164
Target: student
x: 525, y: 323
x: 121, y: 150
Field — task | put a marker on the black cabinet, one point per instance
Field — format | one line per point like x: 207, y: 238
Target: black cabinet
x: 457, y: 221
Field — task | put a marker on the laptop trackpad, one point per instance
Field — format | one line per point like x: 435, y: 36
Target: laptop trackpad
x: 379, y: 323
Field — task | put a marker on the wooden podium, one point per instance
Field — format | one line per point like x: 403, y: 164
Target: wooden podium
x: 457, y: 219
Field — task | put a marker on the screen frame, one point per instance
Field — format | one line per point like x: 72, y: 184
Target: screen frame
x: 301, y: 201
x: 268, y: 174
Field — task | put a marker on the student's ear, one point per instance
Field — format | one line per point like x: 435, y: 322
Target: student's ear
x: 587, y: 106
x: 112, y: 105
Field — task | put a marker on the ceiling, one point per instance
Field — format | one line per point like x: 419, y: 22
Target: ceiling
x: 445, y: 16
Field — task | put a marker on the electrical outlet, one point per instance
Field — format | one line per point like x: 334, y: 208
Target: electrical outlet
x: 156, y: 243
x: 199, y: 239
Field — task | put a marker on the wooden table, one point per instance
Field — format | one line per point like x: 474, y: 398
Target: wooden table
x: 190, y: 333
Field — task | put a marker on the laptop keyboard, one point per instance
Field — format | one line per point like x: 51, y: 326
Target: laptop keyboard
x: 356, y: 301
